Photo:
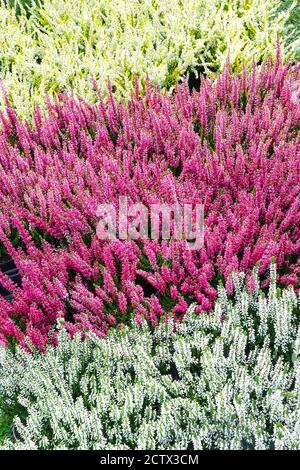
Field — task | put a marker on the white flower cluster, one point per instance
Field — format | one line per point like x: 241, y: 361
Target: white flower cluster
x: 229, y: 380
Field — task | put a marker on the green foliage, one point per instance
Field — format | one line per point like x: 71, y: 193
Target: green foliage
x: 56, y: 45
x: 292, y: 31
x: 5, y: 426
x: 229, y: 380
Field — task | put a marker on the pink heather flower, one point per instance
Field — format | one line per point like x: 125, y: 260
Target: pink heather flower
x: 36, y: 338
x: 155, y: 307
x: 252, y: 284
x: 206, y: 305
x: 295, y: 95
x: 138, y: 320
x: 35, y: 314
x: 122, y: 302
x: 173, y: 292
x: 233, y: 146
x: 198, y: 309
x: 111, y: 319
x: 181, y: 307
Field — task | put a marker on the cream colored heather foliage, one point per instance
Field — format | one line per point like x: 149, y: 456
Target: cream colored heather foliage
x: 56, y: 45
x: 215, y: 383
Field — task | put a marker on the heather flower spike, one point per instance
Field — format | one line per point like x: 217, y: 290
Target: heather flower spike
x: 234, y: 147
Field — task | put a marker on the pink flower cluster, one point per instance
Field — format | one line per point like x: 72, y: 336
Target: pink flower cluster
x: 234, y: 146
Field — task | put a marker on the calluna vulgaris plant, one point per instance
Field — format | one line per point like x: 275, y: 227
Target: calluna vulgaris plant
x: 229, y: 380
x: 59, y: 45
x: 292, y: 32
x: 235, y: 146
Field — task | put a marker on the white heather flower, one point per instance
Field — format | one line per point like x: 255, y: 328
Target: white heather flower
x: 212, y: 384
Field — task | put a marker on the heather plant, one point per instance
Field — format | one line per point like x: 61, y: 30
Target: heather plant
x: 56, y: 45
x: 292, y: 28
x: 233, y: 146
x: 5, y: 426
x: 229, y: 380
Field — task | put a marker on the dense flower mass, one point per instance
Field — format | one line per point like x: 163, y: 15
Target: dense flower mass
x: 57, y: 45
x: 233, y: 146
x: 211, y: 384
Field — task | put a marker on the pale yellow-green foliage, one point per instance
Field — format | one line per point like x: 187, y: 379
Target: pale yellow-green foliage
x: 56, y: 45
